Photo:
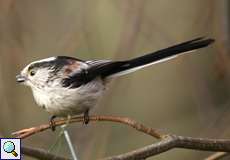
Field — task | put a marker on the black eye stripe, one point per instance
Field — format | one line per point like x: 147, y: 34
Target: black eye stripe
x: 41, y: 65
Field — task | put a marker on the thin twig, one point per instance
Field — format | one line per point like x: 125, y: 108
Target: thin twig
x: 24, y: 133
x: 40, y: 154
x: 217, y: 156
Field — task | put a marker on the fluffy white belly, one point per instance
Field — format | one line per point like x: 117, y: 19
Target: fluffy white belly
x: 61, y: 101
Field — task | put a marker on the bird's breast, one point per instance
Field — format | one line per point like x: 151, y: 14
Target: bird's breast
x: 67, y: 101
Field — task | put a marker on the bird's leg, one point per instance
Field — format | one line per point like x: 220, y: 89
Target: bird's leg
x: 86, y: 117
x: 52, y: 124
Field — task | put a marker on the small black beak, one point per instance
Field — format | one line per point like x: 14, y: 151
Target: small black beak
x: 20, y: 78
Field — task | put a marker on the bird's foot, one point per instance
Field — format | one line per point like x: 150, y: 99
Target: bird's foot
x: 86, y: 117
x: 52, y: 123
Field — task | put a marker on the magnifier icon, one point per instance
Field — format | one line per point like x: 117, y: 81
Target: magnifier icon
x: 9, y: 147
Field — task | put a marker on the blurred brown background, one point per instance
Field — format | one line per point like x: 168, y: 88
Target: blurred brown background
x: 185, y: 96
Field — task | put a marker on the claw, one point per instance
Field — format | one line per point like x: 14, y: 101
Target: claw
x: 86, y: 117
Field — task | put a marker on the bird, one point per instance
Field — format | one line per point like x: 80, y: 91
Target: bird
x: 67, y: 86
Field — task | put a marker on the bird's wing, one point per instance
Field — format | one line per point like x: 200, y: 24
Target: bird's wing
x: 107, y: 68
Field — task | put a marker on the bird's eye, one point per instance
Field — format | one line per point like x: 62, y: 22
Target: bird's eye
x: 32, y: 73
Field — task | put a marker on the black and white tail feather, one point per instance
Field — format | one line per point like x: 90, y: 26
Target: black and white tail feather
x: 160, y: 56
x: 109, y: 69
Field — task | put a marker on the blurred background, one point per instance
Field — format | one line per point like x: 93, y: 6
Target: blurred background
x: 189, y: 95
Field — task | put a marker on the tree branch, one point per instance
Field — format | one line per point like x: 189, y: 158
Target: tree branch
x: 24, y: 133
x: 167, y: 142
x: 171, y: 142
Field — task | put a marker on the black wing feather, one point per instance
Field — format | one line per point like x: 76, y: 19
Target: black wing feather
x: 105, y: 68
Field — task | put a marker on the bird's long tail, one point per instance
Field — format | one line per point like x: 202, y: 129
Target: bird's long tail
x: 119, y: 68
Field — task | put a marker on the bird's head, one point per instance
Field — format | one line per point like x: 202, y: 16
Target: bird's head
x: 37, y: 74
x: 48, y: 72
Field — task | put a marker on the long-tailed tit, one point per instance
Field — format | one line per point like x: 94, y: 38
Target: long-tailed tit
x: 66, y: 86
